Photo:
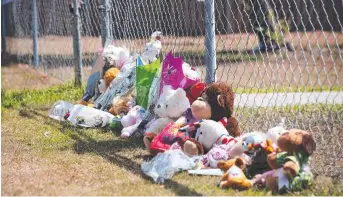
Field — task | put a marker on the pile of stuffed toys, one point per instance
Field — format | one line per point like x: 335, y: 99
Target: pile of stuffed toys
x: 167, y: 105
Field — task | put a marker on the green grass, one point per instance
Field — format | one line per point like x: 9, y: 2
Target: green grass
x: 334, y: 88
x: 221, y: 56
x: 43, y: 97
x: 41, y: 156
x: 67, y: 92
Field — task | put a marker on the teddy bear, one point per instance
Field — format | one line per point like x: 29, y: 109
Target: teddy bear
x: 104, y: 83
x: 120, y: 106
x: 215, y: 103
x: 297, y: 146
x: 115, y: 56
x: 234, y: 176
x: 152, y: 48
x: 131, y: 121
x: 171, y: 105
x: 210, y: 136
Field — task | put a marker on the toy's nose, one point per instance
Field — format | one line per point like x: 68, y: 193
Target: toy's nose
x: 158, y: 106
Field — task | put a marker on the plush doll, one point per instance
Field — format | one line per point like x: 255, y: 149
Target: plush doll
x: 191, y: 76
x: 298, y: 146
x: 131, y: 121
x: 110, y: 75
x: 152, y: 48
x: 115, y: 56
x: 222, y: 152
x: 274, y: 133
x: 234, y: 176
x: 123, y: 103
x: 211, y: 132
x: 104, y: 83
x: 209, y: 135
x: 215, y: 103
x: 120, y: 106
x: 171, y: 105
x: 250, y: 140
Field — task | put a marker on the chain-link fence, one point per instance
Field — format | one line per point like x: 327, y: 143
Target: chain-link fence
x: 283, y: 58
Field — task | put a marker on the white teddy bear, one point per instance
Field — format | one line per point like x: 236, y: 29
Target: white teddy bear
x: 152, y: 48
x: 171, y: 105
x: 115, y: 55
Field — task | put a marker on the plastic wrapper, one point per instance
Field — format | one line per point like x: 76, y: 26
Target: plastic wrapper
x: 166, y: 164
x: 59, y: 110
x: 119, y: 86
x: 89, y: 117
x: 144, y: 79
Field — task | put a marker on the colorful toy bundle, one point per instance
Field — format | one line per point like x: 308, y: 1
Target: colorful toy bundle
x: 175, y: 113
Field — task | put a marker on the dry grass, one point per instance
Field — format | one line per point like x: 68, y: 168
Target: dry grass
x: 19, y: 77
x: 43, y: 157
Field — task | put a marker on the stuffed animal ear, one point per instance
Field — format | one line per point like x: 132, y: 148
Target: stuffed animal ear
x: 180, y: 93
x: 220, y: 101
x: 308, y: 143
x: 221, y: 164
x: 232, y: 127
x: 166, y: 89
x: 239, y: 162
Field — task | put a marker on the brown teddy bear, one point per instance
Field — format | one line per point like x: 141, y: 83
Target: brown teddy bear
x: 120, y: 106
x: 215, y: 103
x: 234, y: 176
x: 297, y: 146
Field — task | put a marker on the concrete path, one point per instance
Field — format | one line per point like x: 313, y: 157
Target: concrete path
x: 282, y: 99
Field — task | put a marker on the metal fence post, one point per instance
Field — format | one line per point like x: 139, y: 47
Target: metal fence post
x: 77, y: 44
x: 105, y: 21
x: 210, y: 42
x: 35, y: 33
x: 3, y: 29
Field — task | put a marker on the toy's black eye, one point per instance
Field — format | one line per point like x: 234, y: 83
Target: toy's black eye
x: 200, y: 133
x: 166, y: 106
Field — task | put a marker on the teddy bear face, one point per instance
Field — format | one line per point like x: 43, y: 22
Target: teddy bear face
x: 172, y: 103
x: 101, y: 86
x: 215, y: 103
x: 296, y: 140
x: 209, y: 133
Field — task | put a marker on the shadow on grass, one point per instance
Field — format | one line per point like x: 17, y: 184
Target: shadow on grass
x: 109, y: 149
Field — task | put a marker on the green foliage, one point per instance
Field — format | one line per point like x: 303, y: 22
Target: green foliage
x: 15, y: 98
x: 287, y: 89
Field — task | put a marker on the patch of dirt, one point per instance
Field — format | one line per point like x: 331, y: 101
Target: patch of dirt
x: 22, y: 76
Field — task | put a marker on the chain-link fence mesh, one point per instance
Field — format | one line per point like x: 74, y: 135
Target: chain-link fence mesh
x: 265, y: 49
